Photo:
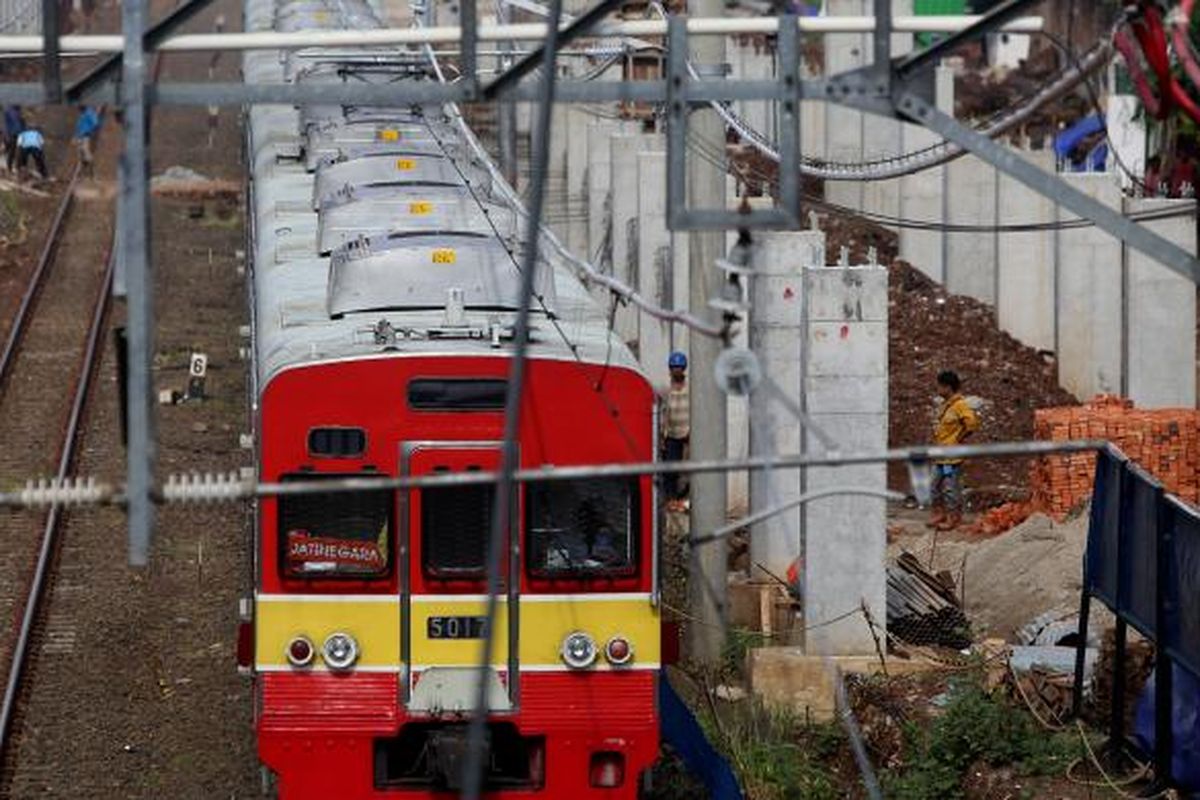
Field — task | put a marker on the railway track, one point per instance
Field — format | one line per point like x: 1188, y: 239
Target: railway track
x: 47, y: 367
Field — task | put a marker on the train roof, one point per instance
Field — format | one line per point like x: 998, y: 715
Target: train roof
x: 433, y: 269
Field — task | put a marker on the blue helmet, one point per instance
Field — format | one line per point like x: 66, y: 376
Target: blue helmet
x: 677, y: 360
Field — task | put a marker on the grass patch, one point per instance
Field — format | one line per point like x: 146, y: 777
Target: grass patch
x: 975, y: 726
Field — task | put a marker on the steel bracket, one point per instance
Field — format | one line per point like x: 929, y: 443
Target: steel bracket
x: 680, y: 102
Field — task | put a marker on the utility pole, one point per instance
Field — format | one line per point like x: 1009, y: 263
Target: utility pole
x: 506, y: 113
x: 707, y: 585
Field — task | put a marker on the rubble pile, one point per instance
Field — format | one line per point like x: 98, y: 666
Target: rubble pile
x: 930, y: 330
x: 1164, y: 442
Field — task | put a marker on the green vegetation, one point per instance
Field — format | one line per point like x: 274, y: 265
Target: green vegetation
x: 932, y: 749
x: 777, y: 755
x: 976, y: 726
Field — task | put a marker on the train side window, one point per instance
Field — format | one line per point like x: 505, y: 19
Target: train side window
x: 335, y: 534
x: 456, y: 522
x: 581, y: 528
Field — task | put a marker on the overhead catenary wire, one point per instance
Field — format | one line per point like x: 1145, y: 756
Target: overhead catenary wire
x: 917, y: 161
x: 770, y: 180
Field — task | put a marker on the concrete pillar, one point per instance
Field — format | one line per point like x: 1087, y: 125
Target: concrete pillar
x: 844, y: 127
x: 751, y: 59
x: 1127, y: 135
x: 812, y: 118
x: 845, y: 386
x: 625, y: 174
x: 599, y: 196
x: 556, y: 171
x: 575, y: 207
x: 1160, y: 327
x: 654, y: 268
x: 923, y: 194
x: 777, y: 335
x: 1088, y: 298
x: 970, y: 257
x: 883, y: 138
x: 1025, y: 262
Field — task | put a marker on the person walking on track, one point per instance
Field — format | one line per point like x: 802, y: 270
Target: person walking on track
x: 86, y: 129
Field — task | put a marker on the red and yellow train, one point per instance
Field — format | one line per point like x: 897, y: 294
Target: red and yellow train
x: 390, y: 358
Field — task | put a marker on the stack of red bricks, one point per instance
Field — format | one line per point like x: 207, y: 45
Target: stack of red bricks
x: 1164, y: 442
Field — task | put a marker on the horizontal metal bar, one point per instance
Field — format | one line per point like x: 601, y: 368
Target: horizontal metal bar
x: 25, y: 94
x: 650, y: 91
x: 701, y: 219
x: 530, y: 31
x: 154, y: 35
x: 222, y: 488
x: 993, y: 21
x: 774, y: 511
x: 576, y: 29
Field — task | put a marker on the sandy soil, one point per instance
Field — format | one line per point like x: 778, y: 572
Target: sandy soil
x: 1006, y: 580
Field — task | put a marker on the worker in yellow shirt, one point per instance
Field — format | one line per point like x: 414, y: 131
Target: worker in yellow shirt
x: 956, y: 422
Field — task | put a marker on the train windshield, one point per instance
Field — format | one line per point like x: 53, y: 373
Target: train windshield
x: 581, y: 527
x: 455, y: 525
x: 335, y: 534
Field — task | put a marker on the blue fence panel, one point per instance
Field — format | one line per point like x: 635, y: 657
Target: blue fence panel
x: 1183, y: 587
x: 1102, y: 561
x: 1137, y: 600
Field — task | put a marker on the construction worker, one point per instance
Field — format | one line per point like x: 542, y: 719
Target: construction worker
x: 30, y: 144
x: 676, y: 425
x: 956, y: 422
x: 86, y: 128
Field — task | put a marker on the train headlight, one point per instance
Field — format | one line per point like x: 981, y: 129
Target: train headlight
x: 300, y: 651
x: 618, y: 651
x: 340, y: 651
x: 578, y: 650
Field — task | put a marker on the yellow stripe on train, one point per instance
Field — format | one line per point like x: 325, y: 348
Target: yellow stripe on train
x: 374, y: 621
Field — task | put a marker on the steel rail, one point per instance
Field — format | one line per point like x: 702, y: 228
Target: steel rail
x: 21, y: 319
x: 50, y: 530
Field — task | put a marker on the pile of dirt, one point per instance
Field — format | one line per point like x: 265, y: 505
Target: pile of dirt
x: 931, y: 330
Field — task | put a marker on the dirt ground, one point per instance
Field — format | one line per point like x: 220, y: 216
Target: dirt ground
x: 159, y: 709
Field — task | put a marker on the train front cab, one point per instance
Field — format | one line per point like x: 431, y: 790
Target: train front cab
x: 369, y: 617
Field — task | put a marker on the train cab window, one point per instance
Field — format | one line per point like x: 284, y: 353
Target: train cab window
x: 335, y: 534
x: 456, y: 394
x: 456, y: 522
x: 580, y: 528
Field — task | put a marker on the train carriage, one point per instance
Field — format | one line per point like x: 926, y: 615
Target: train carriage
x: 389, y: 356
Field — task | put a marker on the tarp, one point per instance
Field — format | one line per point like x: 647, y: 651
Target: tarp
x: 685, y: 736
x: 1067, y: 141
x: 1185, y: 726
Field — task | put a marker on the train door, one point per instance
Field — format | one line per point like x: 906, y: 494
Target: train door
x: 445, y: 532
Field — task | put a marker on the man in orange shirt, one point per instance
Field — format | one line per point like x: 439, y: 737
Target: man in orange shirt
x: 956, y: 422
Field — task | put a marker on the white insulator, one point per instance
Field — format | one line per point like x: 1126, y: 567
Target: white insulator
x: 69, y: 492
x: 206, y: 487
